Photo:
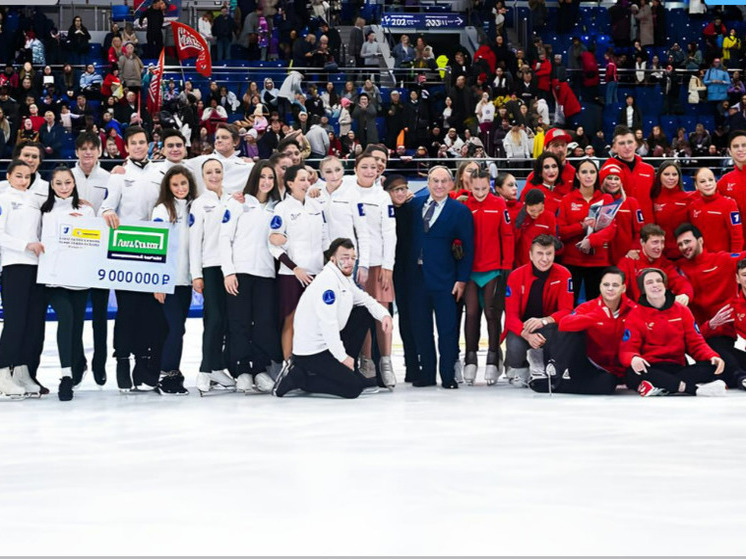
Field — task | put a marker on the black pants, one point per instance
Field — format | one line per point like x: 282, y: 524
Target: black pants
x: 100, y: 323
x: 154, y: 43
x: 568, y: 350
x: 321, y: 373
x: 735, y: 360
x: 139, y: 328
x: 69, y: 304
x: 670, y: 375
x: 215, y: 320
x: 24, y: 312
x: 516, y: 347
x: 175, y: 311
x: 591, y: 276
x: 406, y: 332
x: 252, y: 322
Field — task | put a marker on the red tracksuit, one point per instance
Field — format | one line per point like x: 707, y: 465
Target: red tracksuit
x: 677, y: 283
x: 712, y: 277
x: 545, y: 224
x: 543, y: 72
x: 603, y: 331
x: 557, y: 299
x: 738, y: 326
x: 733, y: 185
x: 629, y: 222
x: 719, y: 220
x: 573, y: 210
x: 638, y: 182
x: 560, y: 190
x: 663, y: 336
x: 494, y: 243
x: 670, y: 210
x: 514, y: 208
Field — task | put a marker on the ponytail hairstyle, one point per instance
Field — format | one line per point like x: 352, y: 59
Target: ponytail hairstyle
x: 49, y: 202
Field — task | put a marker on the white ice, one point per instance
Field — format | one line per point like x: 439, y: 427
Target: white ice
x: 479, y: 470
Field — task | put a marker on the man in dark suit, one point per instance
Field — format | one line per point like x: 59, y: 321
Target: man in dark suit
x: 440, y: 261
x: 51, y: 135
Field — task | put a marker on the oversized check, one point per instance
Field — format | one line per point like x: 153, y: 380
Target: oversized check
x: 85, y: 252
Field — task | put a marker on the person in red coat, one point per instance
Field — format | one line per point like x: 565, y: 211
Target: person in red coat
x: 670, y: 204
x: 533, y: 220
x: 659, y: 334
x: 591, y: 78
x: 584, y: 356
x: 628, y: 218
x: 733, y: 184
x: 493, y: 260
x: 507, y: 188
x: 637, y: 175
x: 586, y: 251
x: 543, y: 73
x: 538, y: 296
x: 650, y: 255
x: 555, y: 142
x: 565, y: 97
x: 717, y: 216
x: 547, y: 176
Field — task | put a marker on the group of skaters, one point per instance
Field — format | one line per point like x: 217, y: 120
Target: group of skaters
x: 302, y: 268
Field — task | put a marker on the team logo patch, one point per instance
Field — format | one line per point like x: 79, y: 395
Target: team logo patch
x: 158, y: 220
x: 391, y: 211
x: 734, y: 255
x: 627, y: 335
x: 507, y: 216
x: 328, y: 297
x: 361, y: 209
x: 106, y: 193
x: 191, y: 219
x: 276, y: 222
x: 735, y: 218
x: 507, y: 292
x: 226, y: 216
x: 569, y: 285
x: 640, y: 218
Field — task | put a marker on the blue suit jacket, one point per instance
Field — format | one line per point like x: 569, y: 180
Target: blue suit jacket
x: 440, y: 269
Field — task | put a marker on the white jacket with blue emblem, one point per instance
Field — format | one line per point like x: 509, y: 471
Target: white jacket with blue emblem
x: 323, y: 312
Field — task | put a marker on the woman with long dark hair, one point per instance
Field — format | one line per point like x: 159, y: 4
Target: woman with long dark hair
x: 670, y: 203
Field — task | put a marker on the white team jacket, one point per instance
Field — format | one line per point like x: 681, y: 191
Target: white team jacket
x: 93, y: 188
x: 20, y: 224
x: 304, y: 226
x: 236, y: 171
x: 181, y: 228
x: 204, y: 232
x: 324, y: 309
x: 379, y: 216
x: 244, y: 238
x: 129, y: 195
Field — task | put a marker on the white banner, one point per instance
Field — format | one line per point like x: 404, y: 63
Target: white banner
x: 85, y: 252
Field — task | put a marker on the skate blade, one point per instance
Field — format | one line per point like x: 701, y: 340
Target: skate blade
x: 13, y: 396
x: 34, y: 395
x: 215, y: 390
x: 138, y: 390
x: 174, y: 394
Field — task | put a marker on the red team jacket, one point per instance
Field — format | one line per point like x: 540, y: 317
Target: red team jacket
x: 663, y: 336
x: 632, y: 268
x: 514, y: 208
x: 545, y: 224
x: 733, y: 185
x: 557, y: 300
x: 738, y: 326
x: 670, y: 210
x: 719, y: 220
x: 629, y: 222
x: 603, y: 331
x: 556, y: 195
x: 494, y: 244
x: 637, y: 183
x: 573, y: 210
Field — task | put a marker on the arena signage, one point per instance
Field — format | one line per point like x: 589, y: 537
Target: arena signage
x: 423, y: 21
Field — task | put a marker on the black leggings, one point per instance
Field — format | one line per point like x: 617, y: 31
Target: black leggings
x: 494, y: 303
x: 24, y: 310
x: 670, y: 375
x: 591, y: 276
x: 215, y: 320
x: 69, y: 304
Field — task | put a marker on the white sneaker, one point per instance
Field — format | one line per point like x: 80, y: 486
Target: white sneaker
x: 244, y: 383
x: 458, y: 371
x: 22, y: 378
x: 367, y: 367
x: 10, y: 388
x: 470, y: 374
x: 714, y: 388
x: 203, y: 382
x: 491, y: 374
x: 263, y: 382
x: 518, y: 377
x: 222, y: 378
x: 387, y: 372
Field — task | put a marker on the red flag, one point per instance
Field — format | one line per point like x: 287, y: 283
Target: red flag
x: 189, y: 44
x: 154, y: 89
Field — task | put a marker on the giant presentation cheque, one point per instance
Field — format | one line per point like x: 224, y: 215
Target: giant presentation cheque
x: 85, y: 252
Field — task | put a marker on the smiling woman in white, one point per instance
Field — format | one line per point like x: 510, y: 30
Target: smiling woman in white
x: 23, y: 299
x: 249, y: 270
x: 63, y: 203
x: 298, y: 238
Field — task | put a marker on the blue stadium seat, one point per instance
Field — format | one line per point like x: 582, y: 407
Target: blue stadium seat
x: 648, y: 123
x: 669, y: 125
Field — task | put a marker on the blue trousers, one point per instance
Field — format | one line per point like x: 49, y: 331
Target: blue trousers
x: 176, y: 310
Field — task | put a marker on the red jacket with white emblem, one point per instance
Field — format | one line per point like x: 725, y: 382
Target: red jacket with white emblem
x: 632, y: 268
x: 719, y: 220
x: 638, y: 182
x: 733, y: 185
x: 671, y: 209
x: 573, y: 210
x: 629, y: 222
x: 494, y: 244
x: 557, y: 299
x: 528, y: 229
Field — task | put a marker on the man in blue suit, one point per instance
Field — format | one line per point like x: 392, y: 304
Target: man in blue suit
x: 439, y: 270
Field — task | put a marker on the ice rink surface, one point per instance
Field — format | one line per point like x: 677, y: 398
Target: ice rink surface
x: 480, y: 470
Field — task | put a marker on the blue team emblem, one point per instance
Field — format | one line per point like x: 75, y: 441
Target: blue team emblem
x: 276, y: 222
x: 627, y: 335
x: 696, y: 327
x: 226, y: 216
x: 361, y: 209
x: 1, y: 210
x: 191, y: 219
x: 507, y: 217
x: 106, y: 193
x: 735, y: 218
x: 158, y: 220
x: 328, y: 297
x: 507, y: 292
x: 640, y: 218
x: 391, y: 211
x: 569, y: 285
x: 734, y: 255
